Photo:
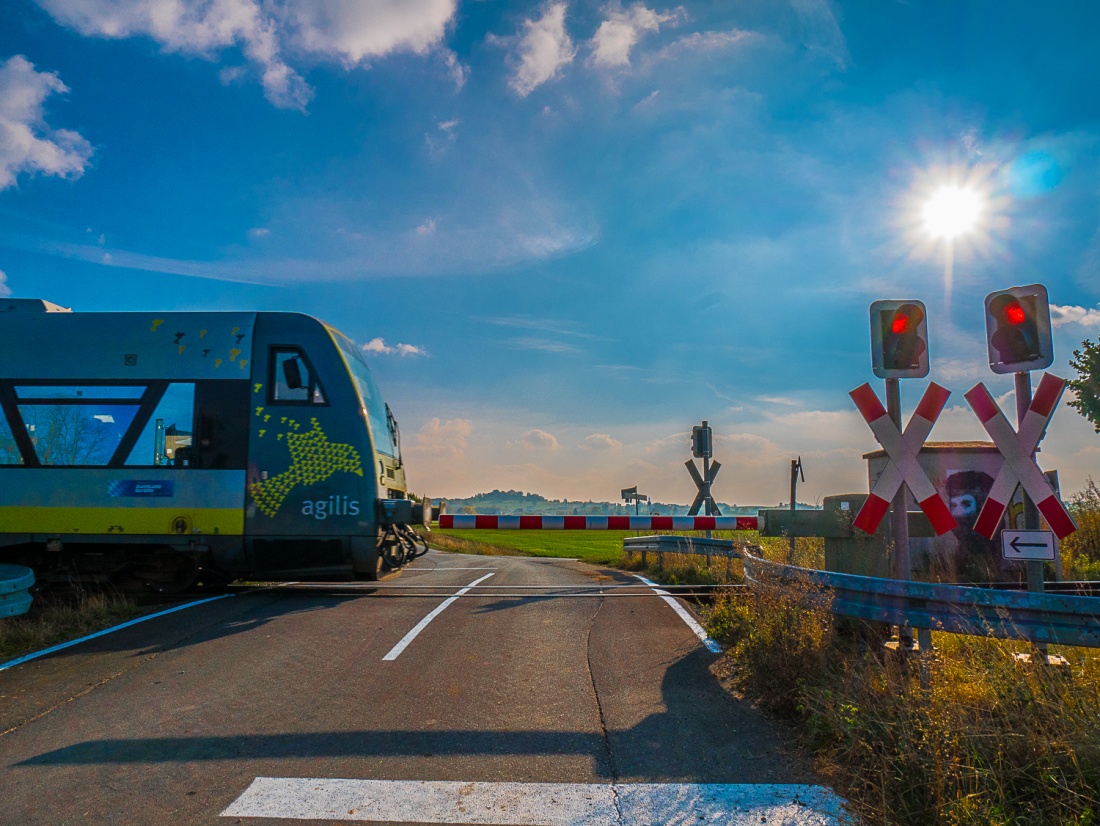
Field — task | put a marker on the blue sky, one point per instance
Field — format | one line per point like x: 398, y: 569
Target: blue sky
x: 567, y: 231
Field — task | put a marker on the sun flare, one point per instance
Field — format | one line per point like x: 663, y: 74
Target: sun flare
x: 952, y: 211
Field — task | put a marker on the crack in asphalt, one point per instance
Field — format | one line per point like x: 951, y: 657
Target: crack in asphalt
x: 614, y: 786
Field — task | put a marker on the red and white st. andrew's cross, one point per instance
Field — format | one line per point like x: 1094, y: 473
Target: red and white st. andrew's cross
x: 1019, y: 462
x: 903, y: 466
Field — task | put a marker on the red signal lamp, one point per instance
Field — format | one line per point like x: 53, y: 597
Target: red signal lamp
x: 1014, y: 313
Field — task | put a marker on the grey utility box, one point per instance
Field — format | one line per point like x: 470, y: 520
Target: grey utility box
x: 851, y: 551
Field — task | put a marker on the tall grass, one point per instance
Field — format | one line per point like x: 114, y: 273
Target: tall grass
x: 1081, y: 550
x: 60, y: 616
x: 992, y: 741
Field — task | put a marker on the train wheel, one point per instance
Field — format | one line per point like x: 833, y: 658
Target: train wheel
x: 168, y: 573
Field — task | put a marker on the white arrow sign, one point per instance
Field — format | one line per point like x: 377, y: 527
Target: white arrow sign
x: 1027, y: 545
x: 1019, y: 464
x: 903, y: 465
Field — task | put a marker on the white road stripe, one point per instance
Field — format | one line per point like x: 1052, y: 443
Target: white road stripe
x: 105, y: 631
x: 711, y: 646
x: 537, y: 804
x: 395, y: 652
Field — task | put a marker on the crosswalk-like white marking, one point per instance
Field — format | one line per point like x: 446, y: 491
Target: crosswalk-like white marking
x: 537, y: 804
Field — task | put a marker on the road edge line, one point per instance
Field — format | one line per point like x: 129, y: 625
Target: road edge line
x: 711, y: 645
x: 61, y: 646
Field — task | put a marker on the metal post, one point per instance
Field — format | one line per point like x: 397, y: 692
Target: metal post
x: 159, y: 454
x: 796, y: 469
x: 1035, y: 581
x: 794, y: 484
x: 899, y: 512
x: 706, y: 487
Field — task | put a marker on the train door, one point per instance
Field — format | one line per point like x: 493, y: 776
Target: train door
x: 309, y: 451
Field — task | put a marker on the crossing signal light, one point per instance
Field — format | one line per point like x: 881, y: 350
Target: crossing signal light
x: 1017, y: 323
x: 899, y: 339
x: 702, y: 445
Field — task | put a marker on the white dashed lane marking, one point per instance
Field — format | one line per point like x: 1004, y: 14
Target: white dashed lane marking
x: 395, y: 652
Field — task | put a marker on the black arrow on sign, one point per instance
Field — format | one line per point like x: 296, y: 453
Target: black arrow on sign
x: 1016, y: 544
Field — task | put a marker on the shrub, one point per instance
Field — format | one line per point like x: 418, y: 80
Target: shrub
x: 1081, y: 550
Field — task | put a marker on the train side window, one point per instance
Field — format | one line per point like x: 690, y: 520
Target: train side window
x: 166, y: 439
x: 292, y: 378
x: 85, y: 433
x: 222, y: 417
x: 9, y: 450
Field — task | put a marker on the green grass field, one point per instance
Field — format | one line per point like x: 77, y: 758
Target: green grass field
x: 596, y: 547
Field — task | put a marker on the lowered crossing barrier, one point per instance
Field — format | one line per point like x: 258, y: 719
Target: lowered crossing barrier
x: 483, y: 521
x: 15, y: 582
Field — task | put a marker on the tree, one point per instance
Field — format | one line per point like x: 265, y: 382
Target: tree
x: 1086, y: 362
x: 65, y: 435
x: 9, y: 452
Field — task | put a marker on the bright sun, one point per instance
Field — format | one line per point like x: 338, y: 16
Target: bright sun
x: 951, y: 211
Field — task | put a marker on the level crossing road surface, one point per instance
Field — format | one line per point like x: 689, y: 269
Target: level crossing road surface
x: 338, y: 704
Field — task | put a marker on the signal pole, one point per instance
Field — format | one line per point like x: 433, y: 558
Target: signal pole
x: 796, y: 471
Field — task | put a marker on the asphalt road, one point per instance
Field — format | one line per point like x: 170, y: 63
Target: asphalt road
x: 596, y: 699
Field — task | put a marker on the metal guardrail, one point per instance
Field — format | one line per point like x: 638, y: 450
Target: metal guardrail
x: 663, y: 544
x: 1039, y: 618
x: 15, y: 580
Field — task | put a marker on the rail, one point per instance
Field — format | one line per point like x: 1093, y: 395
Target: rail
x: 15, y: 582
x: 1054, y: 619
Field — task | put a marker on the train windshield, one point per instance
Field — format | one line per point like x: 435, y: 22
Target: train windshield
x: 370, y: 395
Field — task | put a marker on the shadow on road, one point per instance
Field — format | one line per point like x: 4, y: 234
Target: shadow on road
x: 688, y: 742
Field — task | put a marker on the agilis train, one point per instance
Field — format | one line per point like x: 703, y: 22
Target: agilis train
x: 172, y: 446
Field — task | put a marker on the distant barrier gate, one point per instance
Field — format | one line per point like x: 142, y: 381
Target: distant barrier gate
x: 481, y: 521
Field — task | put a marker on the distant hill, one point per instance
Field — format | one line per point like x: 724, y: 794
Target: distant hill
x: 517, y: 502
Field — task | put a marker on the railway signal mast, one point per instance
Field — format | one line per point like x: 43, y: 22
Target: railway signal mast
x: 899, y: 350
x: 1017, y: 324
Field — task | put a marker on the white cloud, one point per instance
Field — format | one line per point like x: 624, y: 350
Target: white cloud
x: 546, y: 345
x: 601, y: 441
x: 537, y: 440
x: 445, y: 136
x: 448, y: 439
x: 27, y: 143
x: 348, y: 32
x: 5, y: 290
x: 1085, y: 316
x: 618, y: 34
x: 705, y: 42
x: 543, y: 50
x: 193, y: 27
x: 379, y: 346
x: 427, y: 228
x: 258, y: 232
x: 353, y: 31
x: 820, y: 31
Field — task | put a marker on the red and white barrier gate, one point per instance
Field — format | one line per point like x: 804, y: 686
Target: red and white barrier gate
x: 483, y: 521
